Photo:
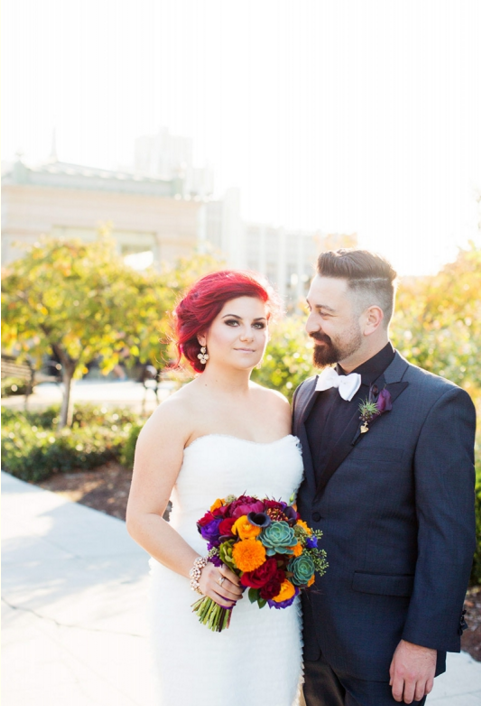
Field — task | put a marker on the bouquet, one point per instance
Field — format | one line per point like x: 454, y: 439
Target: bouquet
x: 264, y: 542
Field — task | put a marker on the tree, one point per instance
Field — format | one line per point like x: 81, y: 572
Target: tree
x: 437, y: 324
x: 288, y: 359
x: 80, y: 301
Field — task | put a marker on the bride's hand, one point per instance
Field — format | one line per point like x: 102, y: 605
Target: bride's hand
x: 220, y: 584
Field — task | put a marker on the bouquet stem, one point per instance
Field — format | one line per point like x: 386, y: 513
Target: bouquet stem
x: 212, y: 614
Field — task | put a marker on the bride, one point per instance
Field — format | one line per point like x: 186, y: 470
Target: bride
x: 219, y: 435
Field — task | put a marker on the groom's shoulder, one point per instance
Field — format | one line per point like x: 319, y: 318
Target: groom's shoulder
x: 428, y: 382
x: 305, y: 388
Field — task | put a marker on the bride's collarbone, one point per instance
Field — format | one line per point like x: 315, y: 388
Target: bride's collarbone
x: 260, y: 432
x: 259, y: 423
x: 239, y: 436
x: 259, y: 429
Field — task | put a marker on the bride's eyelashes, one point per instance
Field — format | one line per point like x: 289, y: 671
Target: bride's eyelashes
x: 233, y: 322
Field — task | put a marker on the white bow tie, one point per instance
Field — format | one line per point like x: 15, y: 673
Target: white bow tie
x: 348, y: 385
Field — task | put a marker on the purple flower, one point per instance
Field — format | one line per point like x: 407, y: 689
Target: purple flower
x: 259, y: 519
x: 383, y: 402
x: 291, y: 515
x: 283, y: 604
x: 311, y: 542
x: 210, y: 532
x: 214, y: 559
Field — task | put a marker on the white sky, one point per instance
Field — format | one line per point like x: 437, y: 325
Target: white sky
x: 343, y: 115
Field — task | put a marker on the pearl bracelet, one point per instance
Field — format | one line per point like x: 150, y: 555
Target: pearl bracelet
x: 196, y: 572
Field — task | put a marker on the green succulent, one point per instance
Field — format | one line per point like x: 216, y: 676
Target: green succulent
x: 225, y: 554
x: 278, y: 538
x: 302, y: 568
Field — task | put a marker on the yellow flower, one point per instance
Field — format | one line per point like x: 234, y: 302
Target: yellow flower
x: 243, y: 528
x: 286, y: 592
x: 248, y: 554
x: 296, y: 549
x: 217, y: 503
x: 302, y: 524
x: 311, y: 580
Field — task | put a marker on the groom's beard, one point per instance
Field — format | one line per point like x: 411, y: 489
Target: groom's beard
x: 334, y: 351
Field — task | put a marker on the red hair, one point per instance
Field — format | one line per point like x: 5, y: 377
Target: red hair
x: 205, y: 299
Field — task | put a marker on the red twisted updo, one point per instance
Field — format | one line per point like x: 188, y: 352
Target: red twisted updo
x: 205, y: 299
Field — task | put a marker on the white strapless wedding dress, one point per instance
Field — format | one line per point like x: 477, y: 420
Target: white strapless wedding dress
x: 257, y: 661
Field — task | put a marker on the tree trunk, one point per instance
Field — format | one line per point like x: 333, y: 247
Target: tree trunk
x: 66, y: 410
x: 29, y: 388
x: 68, y: 369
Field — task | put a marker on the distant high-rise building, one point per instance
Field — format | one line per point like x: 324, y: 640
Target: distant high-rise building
x: 288, y: 257
x: 167, y: 156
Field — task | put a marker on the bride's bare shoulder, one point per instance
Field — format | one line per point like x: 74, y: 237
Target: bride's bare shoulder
x: 174, y: 415
x: 271, y: 399
x: 268, y: 394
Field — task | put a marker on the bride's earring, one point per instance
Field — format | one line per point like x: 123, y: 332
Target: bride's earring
x: 203, y: 356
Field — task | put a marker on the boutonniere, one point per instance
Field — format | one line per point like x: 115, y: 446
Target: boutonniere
x: 376, y: 404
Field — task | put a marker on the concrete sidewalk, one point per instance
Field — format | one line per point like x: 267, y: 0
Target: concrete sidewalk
x: 74, y: 592
x: 105, y: 392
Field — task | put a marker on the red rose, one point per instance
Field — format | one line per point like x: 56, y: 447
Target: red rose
x: 245, y: 507
x: 261, y: 576
x: 275, y: 505
x: 208, y: 517
x: 222, y: 511
x: 225, y: 527
x: 272, y: 588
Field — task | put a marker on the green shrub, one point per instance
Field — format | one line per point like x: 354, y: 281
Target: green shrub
x: 87, y: 414
x: 476, y: 570
x: 46, y: 419
x: 128, y: 449
x: 32, y: 449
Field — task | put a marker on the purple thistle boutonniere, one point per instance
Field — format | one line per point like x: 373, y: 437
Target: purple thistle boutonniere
x: 374, y: 406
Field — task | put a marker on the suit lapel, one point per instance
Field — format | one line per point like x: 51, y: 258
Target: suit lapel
x: 395, y: 388
x: 307, y: 403
x: 302, y: 411
x: 391, y: 379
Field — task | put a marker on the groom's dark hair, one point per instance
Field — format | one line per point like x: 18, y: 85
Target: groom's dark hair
x: 370, y: 277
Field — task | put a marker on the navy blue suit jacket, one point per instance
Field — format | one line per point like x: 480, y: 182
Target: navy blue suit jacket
x: 397, y: 511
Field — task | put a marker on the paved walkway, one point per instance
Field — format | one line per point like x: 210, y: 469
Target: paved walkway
x: 74, y: 591
x: 108, y: 392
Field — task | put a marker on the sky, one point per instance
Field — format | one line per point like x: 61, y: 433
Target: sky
x: 340, y: 116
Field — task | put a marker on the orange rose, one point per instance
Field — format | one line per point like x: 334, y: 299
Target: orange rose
x: 287, y: 591
x: 311, y: 580
x: 217, y: 503
x: 243, y: 528
x: 248, y: 554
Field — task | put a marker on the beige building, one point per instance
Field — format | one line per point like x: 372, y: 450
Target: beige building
x: 67, y: 200
x: 153, y: 221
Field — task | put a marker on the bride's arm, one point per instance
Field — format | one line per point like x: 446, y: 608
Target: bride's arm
x: 158, y: 458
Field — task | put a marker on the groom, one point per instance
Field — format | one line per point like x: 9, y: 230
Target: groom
x: 392, y: 492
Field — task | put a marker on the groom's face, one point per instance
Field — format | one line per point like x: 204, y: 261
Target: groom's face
x: 333, y: 323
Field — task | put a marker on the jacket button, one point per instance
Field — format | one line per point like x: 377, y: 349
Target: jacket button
x: 316, y: 516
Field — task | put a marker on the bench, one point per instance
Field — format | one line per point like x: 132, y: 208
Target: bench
x: 24, y: 371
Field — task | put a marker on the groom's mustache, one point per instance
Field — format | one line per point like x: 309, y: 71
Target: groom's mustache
x: 320, y: 337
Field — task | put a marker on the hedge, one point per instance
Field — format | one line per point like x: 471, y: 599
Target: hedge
x: 32, y: 448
